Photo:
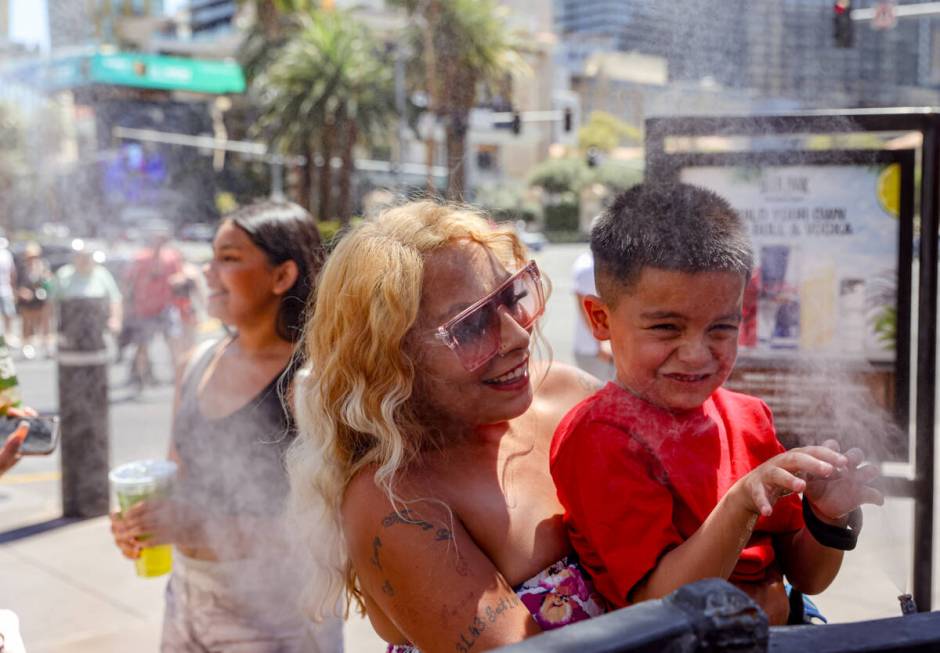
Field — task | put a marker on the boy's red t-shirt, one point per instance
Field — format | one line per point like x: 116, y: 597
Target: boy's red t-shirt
x: 636, y: 481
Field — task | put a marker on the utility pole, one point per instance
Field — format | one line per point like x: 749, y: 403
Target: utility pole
x: 400, y: 57
x: 431, y: 14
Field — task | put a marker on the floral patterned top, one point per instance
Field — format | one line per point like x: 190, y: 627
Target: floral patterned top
x: 557, y: 596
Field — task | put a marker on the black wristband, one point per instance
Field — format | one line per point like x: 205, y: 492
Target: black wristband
x: 831, y: 536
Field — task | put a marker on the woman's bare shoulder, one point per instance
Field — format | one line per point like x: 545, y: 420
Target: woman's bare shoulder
x: 558, y: 389
x: 362, y: 496
x: 564, y: 383
x: 366, y: 502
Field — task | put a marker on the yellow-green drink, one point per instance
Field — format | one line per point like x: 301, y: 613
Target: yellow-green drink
x: 134, y: 482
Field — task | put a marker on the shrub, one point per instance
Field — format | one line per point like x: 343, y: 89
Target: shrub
x: 562, y: 216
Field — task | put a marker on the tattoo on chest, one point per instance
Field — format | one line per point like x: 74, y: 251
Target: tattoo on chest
x: 387, y: 588
x: 409, y: 518
x: 490, y: 616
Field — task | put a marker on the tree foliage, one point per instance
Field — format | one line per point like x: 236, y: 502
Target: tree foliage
x: 604, y: 131
x: 560, y: 176
x: 617, y: 176
x: 326, y: 89
x: 458, y: 47
x: 12, y: 163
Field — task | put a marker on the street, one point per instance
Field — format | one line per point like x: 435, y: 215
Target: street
x: 73, y: 591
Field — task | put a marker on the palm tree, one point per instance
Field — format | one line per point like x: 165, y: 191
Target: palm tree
x: 12, y: 164
x: 462, y: 45
x: 274, y: 22
x: 325, y: 91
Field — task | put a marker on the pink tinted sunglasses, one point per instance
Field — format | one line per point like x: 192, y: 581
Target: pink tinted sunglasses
x: 474, y: 333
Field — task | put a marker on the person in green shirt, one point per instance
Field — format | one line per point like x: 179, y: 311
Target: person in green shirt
x: 85, y: 277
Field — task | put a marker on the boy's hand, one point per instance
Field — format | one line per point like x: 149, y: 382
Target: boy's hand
x: 835, y: 496
x: 781, y: 475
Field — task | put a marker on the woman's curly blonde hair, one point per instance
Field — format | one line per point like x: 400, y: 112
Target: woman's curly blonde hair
x: 355, y: 407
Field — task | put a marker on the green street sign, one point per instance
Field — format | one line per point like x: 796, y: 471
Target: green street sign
x: 167, y: 73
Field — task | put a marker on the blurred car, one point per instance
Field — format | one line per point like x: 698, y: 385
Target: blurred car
x: 197, y: 231
x: 155, y: 227
x: 533, y: 240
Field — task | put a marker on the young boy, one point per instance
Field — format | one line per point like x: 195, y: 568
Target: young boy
x: 665, y: 477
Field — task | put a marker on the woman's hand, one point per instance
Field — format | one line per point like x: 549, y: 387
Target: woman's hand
x: 14, y: 411
x: 784, y: 474
x: 124, y: 536
x: 151, y: 523
x: 849, y: 486
x: 10, y: 451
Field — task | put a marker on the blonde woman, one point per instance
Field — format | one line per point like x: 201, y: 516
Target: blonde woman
x: 425, y: 431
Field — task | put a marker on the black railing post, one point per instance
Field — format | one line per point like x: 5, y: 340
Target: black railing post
x: 709, y: 615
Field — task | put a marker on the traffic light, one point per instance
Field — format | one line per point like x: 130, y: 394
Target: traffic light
x: 567, y: 119
x: 516, y: 123
x: 593, y: 155
x: 843, y: 29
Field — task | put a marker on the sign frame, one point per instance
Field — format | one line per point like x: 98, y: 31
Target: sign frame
x: 796, y: 126
x: 678, y: 162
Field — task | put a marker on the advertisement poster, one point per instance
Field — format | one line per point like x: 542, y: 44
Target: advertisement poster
x: 825, y: 240
x: 819, y: 340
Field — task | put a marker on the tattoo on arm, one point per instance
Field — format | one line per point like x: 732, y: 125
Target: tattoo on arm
x: 376, y: 545
x: 490, y: 615
x: 409, y: 518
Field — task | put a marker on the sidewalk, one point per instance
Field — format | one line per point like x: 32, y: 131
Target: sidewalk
x: 74, y: 593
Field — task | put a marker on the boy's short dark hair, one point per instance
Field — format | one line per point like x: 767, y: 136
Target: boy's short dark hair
x: 671, y: 226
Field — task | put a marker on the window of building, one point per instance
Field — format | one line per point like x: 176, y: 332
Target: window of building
x: 488, y: 158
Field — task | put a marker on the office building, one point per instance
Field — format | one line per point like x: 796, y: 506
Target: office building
x: 779, y: 51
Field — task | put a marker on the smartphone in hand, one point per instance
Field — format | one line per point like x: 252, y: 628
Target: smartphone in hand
x: 43, y: 433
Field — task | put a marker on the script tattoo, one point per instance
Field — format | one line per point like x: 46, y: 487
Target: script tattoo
x: 376, y: 545
x: 491, y: 614
x: 408, y: 518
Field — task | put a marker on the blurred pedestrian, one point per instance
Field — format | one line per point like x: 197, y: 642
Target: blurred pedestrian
x: 85, y: 277
x: 10, y: 639
x: 184, y: 317
x: 591, y: 355
x: 150, y: 303
x: 235, y: 585
x: 33, y: 295
x: 7, y: 296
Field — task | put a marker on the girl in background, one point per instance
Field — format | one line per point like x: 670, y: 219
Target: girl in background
x: 235, y: 583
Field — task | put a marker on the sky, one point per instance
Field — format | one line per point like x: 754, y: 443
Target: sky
x: 28, y: 22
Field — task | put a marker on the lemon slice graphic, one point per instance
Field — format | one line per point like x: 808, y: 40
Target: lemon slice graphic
x: 889, y: 189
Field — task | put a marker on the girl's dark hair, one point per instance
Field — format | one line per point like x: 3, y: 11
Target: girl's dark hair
x: 285, y: 232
